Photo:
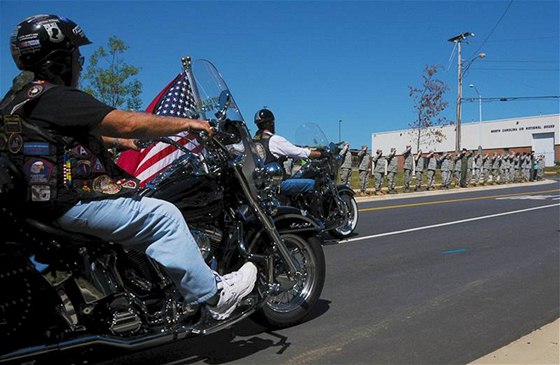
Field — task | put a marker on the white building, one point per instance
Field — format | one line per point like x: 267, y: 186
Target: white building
x: 538, y: 133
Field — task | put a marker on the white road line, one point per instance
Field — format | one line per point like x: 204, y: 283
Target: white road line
x: 446, y: 224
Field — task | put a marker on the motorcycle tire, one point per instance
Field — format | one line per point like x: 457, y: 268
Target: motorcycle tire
x: 347, y: 229
x: 296, y: 301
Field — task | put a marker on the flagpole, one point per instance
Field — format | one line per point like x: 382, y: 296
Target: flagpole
x: 186, y: 62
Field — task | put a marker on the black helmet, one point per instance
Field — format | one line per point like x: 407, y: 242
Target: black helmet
x: 42, y: 40
x: 263, y: 116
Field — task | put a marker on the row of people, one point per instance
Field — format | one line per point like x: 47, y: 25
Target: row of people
x: 459, y: 168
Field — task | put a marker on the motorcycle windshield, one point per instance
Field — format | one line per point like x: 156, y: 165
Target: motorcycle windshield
x: 311, y: 135
x: 213, y: 99
x: 209, y: 86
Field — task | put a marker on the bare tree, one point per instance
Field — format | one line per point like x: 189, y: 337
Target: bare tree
x: 429, y: 103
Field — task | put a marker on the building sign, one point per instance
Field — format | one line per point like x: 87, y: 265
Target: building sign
x: 519, y: 129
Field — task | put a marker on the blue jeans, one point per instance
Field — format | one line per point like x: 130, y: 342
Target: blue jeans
x: 294, y: 186
x: 151, y: 225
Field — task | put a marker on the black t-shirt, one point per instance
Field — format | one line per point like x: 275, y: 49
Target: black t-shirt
x: 69, y: 109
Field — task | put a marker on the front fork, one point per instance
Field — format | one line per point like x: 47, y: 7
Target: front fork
x: 269, y: 227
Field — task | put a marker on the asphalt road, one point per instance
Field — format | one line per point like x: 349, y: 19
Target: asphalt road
x: 430, y: 279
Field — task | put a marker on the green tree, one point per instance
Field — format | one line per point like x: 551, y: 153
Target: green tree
x: 429, y: 103
x: 110, y: 79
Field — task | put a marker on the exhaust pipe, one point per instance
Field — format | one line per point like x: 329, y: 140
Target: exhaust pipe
x: 126, y: 343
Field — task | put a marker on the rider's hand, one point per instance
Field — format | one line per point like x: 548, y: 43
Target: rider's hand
x: 315, y: 154
x: 202, y: 126
x: 126, y: 143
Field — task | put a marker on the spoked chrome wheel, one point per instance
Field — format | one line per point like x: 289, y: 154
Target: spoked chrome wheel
x: 352, y: 217
x: 297, y: 295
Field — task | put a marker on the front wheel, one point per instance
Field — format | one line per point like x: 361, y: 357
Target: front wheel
x: 296, y: 297
x: 349, y: 226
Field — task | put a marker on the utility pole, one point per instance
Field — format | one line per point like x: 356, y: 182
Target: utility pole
x: 458, y: 39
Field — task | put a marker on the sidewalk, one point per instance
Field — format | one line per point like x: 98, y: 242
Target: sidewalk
x: 538, y: 347
x: 438, y: 191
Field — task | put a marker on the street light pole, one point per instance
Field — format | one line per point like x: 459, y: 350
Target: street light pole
x: 339, y: 128
x: 479, y: 103
x: 479, y: 113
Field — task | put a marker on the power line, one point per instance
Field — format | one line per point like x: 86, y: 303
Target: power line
x: 511, y: 98
x: 497, y: 76
x: 517, y: 39
x: 493, y: 29
x: 519, y: 69
x: 451, y: 57
x: 512, y: 61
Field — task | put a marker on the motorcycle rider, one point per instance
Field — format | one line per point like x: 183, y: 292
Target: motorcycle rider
x: 79, y: 182
x: 276, y: 148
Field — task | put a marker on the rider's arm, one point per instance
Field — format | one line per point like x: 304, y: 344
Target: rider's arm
x: 280, y: 146
x: 119, y: 123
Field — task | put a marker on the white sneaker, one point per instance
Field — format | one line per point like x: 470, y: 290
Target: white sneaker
x: 232, y: 288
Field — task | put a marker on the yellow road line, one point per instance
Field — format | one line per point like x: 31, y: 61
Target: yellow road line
x: 456, y: 200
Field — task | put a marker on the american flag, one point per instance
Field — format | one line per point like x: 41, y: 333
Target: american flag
x: 175, y: 100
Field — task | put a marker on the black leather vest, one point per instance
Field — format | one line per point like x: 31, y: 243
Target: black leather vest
x: 263, y: 149
x: 55, y: 171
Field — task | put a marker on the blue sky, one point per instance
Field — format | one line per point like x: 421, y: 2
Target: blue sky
x: 325, y: 61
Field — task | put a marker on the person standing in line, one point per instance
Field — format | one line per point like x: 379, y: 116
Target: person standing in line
x: 392, y: 170
x: 446, y: 168
x: 496, y: 162
x: 379, y: 170
x: 419, y: 167
x: 408, y: 166
x: 364, y: 168
x: 510, y: 172
x: 540, y: 172
x: 346, y: 167
x: 527, y: 167
x: 531, y: 157
x: 458, y: 168
x: 451, y: 167
x: 513, y: 170
x: 465, y: 167
x: 504, y: 168
x: 470, y: 167
x: 535, y: 169
x: 432, y: 166
x: 519, y: 166
x: 477, y: 168
x: 486, y: 166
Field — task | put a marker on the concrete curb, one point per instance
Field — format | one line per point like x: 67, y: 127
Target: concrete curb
x: 538, y: 347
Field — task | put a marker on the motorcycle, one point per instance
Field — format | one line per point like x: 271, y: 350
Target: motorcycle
x: 330, y: 203
x: 65, y: 291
